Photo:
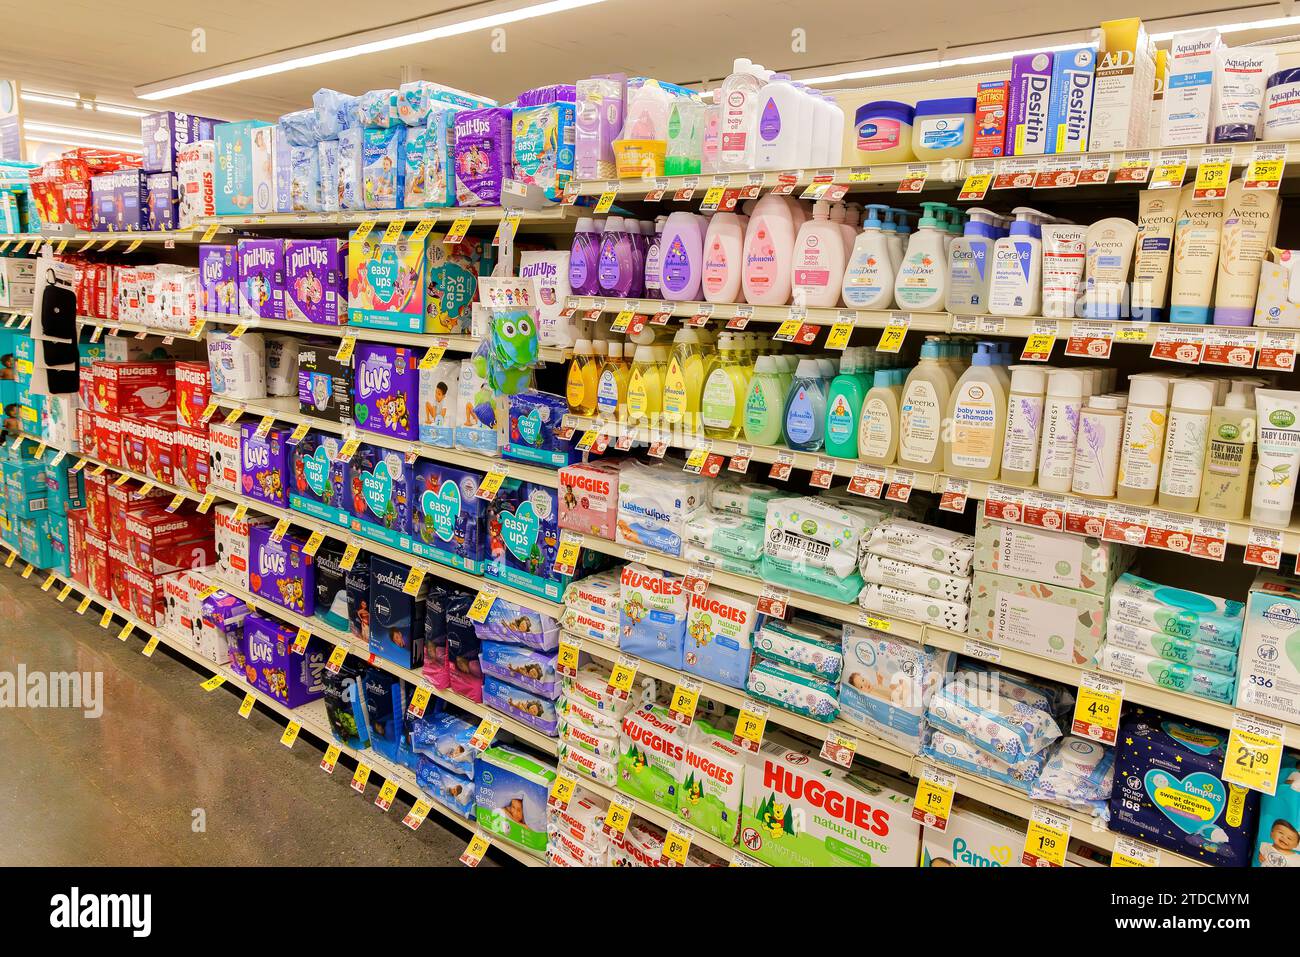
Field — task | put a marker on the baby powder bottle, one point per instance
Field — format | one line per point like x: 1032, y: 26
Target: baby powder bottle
x: 740, y: 93
x: 922, y: 281
x: 1096, y: 454
x: 580, y: 387
x: 1016, y: 287
x: 978, y: 411
x: 726, y: 381
x: 681, y: 252
x: 1060, y: 430
x: 611, y: 386
x: 616, y: 267
x: 782, y: 111
x: 768, y: 252
x: 969, y: 258
x: 764, y: 403
x: 1227, y: 462
x: 924, y: 404
x: 805, y: 408
x: 817, y: 271
x: 1024, y: 424
x: 879, y: 424
x: 683, y: 381
x: 584, y: 255
x: 1186, y: 440
x: 1143, y: 443
x: 723, y: 247
x: 652, y: 260
x: 645, y: 388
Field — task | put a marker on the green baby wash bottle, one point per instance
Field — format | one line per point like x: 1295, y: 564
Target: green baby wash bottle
x: 764, y: 403
x: 843, y: 406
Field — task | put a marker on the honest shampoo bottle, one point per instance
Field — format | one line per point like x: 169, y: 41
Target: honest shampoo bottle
x: 1024, y: 424
x: 1186, y: 441
x: 1144, y: 439
x: 1060, y: 430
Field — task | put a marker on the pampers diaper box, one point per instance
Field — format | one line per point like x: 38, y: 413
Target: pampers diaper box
x: 523, y: 537
x: 1169, y: 791
x: 975, y: 837
x: 379, y: 497
x: 235, y: 182
x: 1278, y: 841
x: 448, y: 521
x: 800, y: 811
x: 1269, y: 662
x: 386, y: 282
x: 319, y: 486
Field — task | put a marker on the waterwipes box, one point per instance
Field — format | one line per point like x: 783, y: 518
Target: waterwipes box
x: 1058, y: 623
x: 800, y: 811
x: 1269, y: 660
x: 1169, y: 791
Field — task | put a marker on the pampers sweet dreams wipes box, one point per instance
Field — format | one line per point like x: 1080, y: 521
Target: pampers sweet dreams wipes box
x: 802, y: 812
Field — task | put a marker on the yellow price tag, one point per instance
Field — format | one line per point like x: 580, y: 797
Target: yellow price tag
x: 239, y: 330
x: 27, y: 572
x: 241, y: 512
x: 1038, y: 344
x: 9, y: 561
x: 483, y: 602
x: 566, y: 659
x: 698, y: 456
x: 300, y: 431
x: 387, y: 793
x: 313, y: 543
x: 363, y: 230
x: 281, y: 527
x: 1131, y: 853
x: 125, y: 633
x: 121, y: 479
x: 1127, y: 333
x: 422, y: 229
x: 788, y: 329
x: 145, y: 489
x: 1254, y: 757
x: 331, y: 758
x: 1046, y: 839
x: 838, y: 338
x: 210, y: 233
x: 975, y: 187
x: 562, y: 790
x: 1168, y: 175
x: 605, y: 202
x: 108, y: 245
x: 49, y: 582
x: 414, y: 579
x: 587, y: 440
x: 64, y: 592
x: 233, y: 414
x: 346, y: 345
x: 106, y: 618
x: 99, y: 469
x: 135, y: 244
x: 300, y: 640
x: 432, y: 356
x: 459, y: 229
x: 213, y: 683
x: 207, y: 591
x: 264, y: 427
x: 617, y: 818
x: 474, y: 851
x: 416, y: 815
x: 1212, y: 178
x: 490, y: 485
x: 1266, y: 168
x: 684, y: 701
x: 1097, y: 707
x: 676, y: 846
x: 350, y: 556
x: 892, y: 336
x: 359, y: 777
x: 349, y: 448
x: 206, y: 503
x: 713, y: 196
x: 623, y: 675
x: 566, y: 554
x: 394, y: 232
x: 622, y: 321
x: 149, y: 647
x: 935, y: 789
x: 750, y: 725
x: 290, y: 734
x: 336, y: 659
x: 419, y: 701
x: 246, y: 706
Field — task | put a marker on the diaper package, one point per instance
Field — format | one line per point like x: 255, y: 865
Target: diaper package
x: 652, y: 748
x: 936, y: 548
x: 719, y: 636
x: 218, y: 280
x: 523, y: 538
x: 386, y: 698
x: 281, y: 572
x: 237, y: 365
x: 800, y: 811
x: 452, y: 791
x: 1278, y: 841
x: 1176, y: 611
x: 962, y: 753
x: 887, y: 683
x: 264, y: 473
x: 386, y: 282
x: 652, y: 615
x: 439, y: 403
x: 304, y: 179
x: 448, y: 523
x: 1169, y: 791
x: 377, y: 109
x: 315, y: 273
x: 1167, y: 674
x: 531, y: 670
x: 415, y: 180
x: 879, y: 570
x: 281, y: 366
x: 357, y: 581
x: 542, y: 140
x: 710, y: 793
x: 261, y: 278
x: 886, y: 600
x: 327, y: 158
x: 589, y: 498
x: 440, y: 156
x: 383, y: 172
x: 516, y: 625
x: 273, y: 668
x: 484, y: 155
x: 444, y: 740
x: 335, y: 112
x: 793, y: 690
x: 530, y: 437
x: 513, y: 701
x: 324, y: 383
x: 1079, y: 773
x: 243, y: 175
x: 381, y: 488
x: 435, y: 636
x: 331, y: 587
x: 476, y: 421
x: 343, y: 708
x: 511, y: 799
x: 802, y: 645
x: 550, y: 274
x: 734, y: 536
x: 396, y: 618
x: 386, y: 389
x: 464, y: 671
x: 453, y: 272
x: 654, y: 505
x: 351, y: 184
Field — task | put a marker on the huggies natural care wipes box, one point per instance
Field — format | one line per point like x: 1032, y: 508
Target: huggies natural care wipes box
x: 713, y: 778
x: 800, y: 811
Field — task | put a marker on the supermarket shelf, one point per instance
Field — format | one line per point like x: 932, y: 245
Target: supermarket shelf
x: 77, y: 240
x: 545, y: 215
x: 861, y: 318
x: 361, y: 650
x: 414, y: 339
x: 458, y: 457
x: 113, y: 327
x: 657, y: 815
x: 942, y: 174
x: 311, y: 717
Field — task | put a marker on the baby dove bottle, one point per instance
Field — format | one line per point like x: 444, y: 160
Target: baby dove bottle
x: 805, y: 408
x: 869, y: 275
x: 922, y: 282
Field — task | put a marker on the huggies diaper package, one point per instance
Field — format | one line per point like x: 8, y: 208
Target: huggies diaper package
x: 281, y: 571
x: 343, y: 707
x: 589, y: 498
x: 315, y: 275
x: 1176, y: 611
x: 386, y: 282
x: 711, y: 789
x: 223, y: 452
x: 264, y: 472
x: 1047, y: 620
x: 887, y: 684
x: 800, y: 811
x: 396, y: 618
x: 439, y: 403
x: 530, y: 436
x: 531, y: 670
x: 380, y: 492
x: 331, y: 586
x: 511, y: 800
x: 464, y: 673
x: 550, y: 274
x: 652, y: 615
x: 1167, y: 674
x: 803, y: 645
x: 320, y: 478
x: 652, y: 747
x: 795, y: 690
x: 1270, y: 649
x: 237, y: 365
x: 879, y: 570
x: 542, y: 140
x: 1278, y: 841
x: 448, y: 523
x: 483, y: 155
x: 532, y: 709
x: 733, y: 536
x: 386, y: 389
x: 719, y: 636
x: 517, y: 625
x: 919, y: 544
x: 950, y: 615
x: 523, y: 537
x: 452, y: 791
x: 274, y: 669
x: 654, y: 505
x: 351, y: 190
x: 1169, y: 791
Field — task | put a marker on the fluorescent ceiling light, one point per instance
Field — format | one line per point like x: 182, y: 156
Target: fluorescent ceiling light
x: 70, y: 141
x: 49, y: 99
x: 81, y: 133
x: 1233, y: 27
x: 439, y: 27
x: 73, y: 102
x: 116, y: 110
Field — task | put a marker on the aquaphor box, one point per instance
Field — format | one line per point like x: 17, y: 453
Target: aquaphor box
x: 1185, y: 115
x: 1031, y: 86
x: 1069, y: 112
x: 1125, y: 79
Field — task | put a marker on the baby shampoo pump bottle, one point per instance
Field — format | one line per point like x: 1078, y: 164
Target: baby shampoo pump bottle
x: 922, y: 280
x: 765, y: 403
x: 726, y: 382
x: 879, y: 423
x: 921, y: 412
x: 1016, y: 286
x: 970, y: 258
x: 805, y: 408
x: 869, y: 274
x: 978, y: 412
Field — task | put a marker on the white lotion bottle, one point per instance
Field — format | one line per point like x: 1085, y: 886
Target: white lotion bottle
x: 1060, y: 430
x: 1024, y: 424
x: 869, y: 276
x: 1096, y: 454
x: 1186, y: 442
x: 1144, y: 439
x: 922, y: 281
x: 1016, y: 288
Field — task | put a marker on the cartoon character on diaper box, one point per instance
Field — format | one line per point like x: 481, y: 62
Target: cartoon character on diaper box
x: 543, y: 145
x: 281, y: 571
x: 320, y: 477
x: 446, y: 517
x: 415, y: 180
x: 382, y: 169
x: 386, y: 389
x: 315, y: 275
x: 380, y: 488
x: 439, y: 397
x: 523, y: 536
x: 271, y: 666
x: 483, y: 155
x: 264, y: 464
x: 534, y: 417
x: 386, y: 282
x: 261, y: 278
x: 452, y: 284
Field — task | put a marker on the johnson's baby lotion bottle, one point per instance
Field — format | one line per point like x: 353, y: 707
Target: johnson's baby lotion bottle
x: 681, y: 254
x: 817, y: 271
x: 769, y: 249
x: 723, y: 244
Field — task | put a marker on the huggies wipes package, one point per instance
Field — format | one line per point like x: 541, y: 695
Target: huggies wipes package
x: 719, y: 636
x: 652, y: 615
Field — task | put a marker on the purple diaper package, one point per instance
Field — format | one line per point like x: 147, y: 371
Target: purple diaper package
x: 448, y: 524
x: 386, y: 390
x: 531, y: 670
x: 281, y: 572
x: 119, y: 201
x: 379, y: 502
x: 261, y: 278
x: 315, y: 281
x: 271, y: 666
x: 163, y: 135
x: 464, y: 673
x: 320, y: 477
x: 161, y: 205
x: 218, y: 280
x: 517, y: 625
x: 533, y: 710
x: 264, y: 464
x: 534, y: 417
x: 484, y: 155
x: 396, y: 618
x: 221, y: 629
x: 523, y: 535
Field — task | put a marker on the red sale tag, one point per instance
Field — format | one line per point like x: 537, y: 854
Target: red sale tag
x: 867, y: 481
x: 1227, y: 346
x: 1125, y: 524
x: 1003, y: 504
x: 1016, y: 173
x: 782, y: 467
x: 823, y: 473
x: 1177, y: 343
x: 1277, y: 349
x: 1264, y: 547
x: 1172, y: 533
x: 1090, y: 340
x: 1083, y: 517
x: 772, y: 601
x: 955, y: 492
x: 1134, y: 168
x: 900, y: 485
x: 740, y: 460
x: 1209, y: 539
x: 1044, y: 511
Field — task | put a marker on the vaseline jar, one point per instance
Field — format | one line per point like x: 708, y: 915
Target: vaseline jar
x: 1282, y: 105
x: 944, y: 129
x: 884, y: 132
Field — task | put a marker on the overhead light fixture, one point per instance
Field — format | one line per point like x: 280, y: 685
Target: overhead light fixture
x: 360, y: 44
x: 70, y: 141
x: 1242, y: 27
x: 116, y: 110
x: 81, y: 133
x: 75, y: 102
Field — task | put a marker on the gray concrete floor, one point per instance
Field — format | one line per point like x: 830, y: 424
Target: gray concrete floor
x: 122, y: 789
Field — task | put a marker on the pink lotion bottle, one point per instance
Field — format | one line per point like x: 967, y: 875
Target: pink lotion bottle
x: 817, y: 270
x: 722, y: 254
x: 768, y: 251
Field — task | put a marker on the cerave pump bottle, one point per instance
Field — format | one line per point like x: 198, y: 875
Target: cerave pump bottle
x: 970, y: 257
x: 1016, y: 288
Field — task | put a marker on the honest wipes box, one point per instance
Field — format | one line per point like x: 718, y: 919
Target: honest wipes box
x: 976, y: 836
x: 802, y: 812
x: 1269, y: 660
x: 713, y: 779
x: 1063, y: 624
x: 1054, y: 558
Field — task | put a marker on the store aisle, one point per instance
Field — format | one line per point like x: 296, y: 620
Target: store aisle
x: 122, y: 788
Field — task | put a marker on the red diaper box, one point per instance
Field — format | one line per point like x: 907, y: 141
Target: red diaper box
x: 108, y: 438
x: 182, y: 608
x: 159, y: 454
x: 134, y: 431
x: 121, y: 501
x: 990, y: 118
x: 192, y: 393
x: 96, y: 501
x: 190, y: 458
x: 159, y: 543
x: 146, y: 595
x: 86, y: 443
x: 118, y: 563
x: 135, y: 388
x: 77, y: 546
x: 97, y: 561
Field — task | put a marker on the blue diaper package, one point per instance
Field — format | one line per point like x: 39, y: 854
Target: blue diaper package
x: 327, y: 159
x: 444, y: 739
x: 304, y: 179
x: 1080, y: 774
x: 1278, y: 842
x: 452, y: 791
x: 534, y: 417
x: 282, y: 157
x: 320, y: 478
x: 301, y: 127
x: 652, y: 615
x: 386, y: 699
x: 515, y: 702
x: 377, y: 109
x: 331, y: 587
x: 383, y: 170
x: 351, y: 192
x: 531, y: 670
x: 886, y: 683
x: 440, y: 156
x: 476, y: 422
x: 511, y: 800
x: 1169, y: 791
x: 380, y: 486
x: 335, y: 112
x: 523, y: 536
x: 415, y: 175
x: 343, y: 707
x: 517, y: 625
x: 543, y: 143
x: 396, y: 618
x: 448, y: 523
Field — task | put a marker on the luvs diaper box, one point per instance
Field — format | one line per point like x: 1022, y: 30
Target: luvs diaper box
x: 386, y: 390
x: 272, y: 666
x: 800, y: 811
x: 1269, y: 662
